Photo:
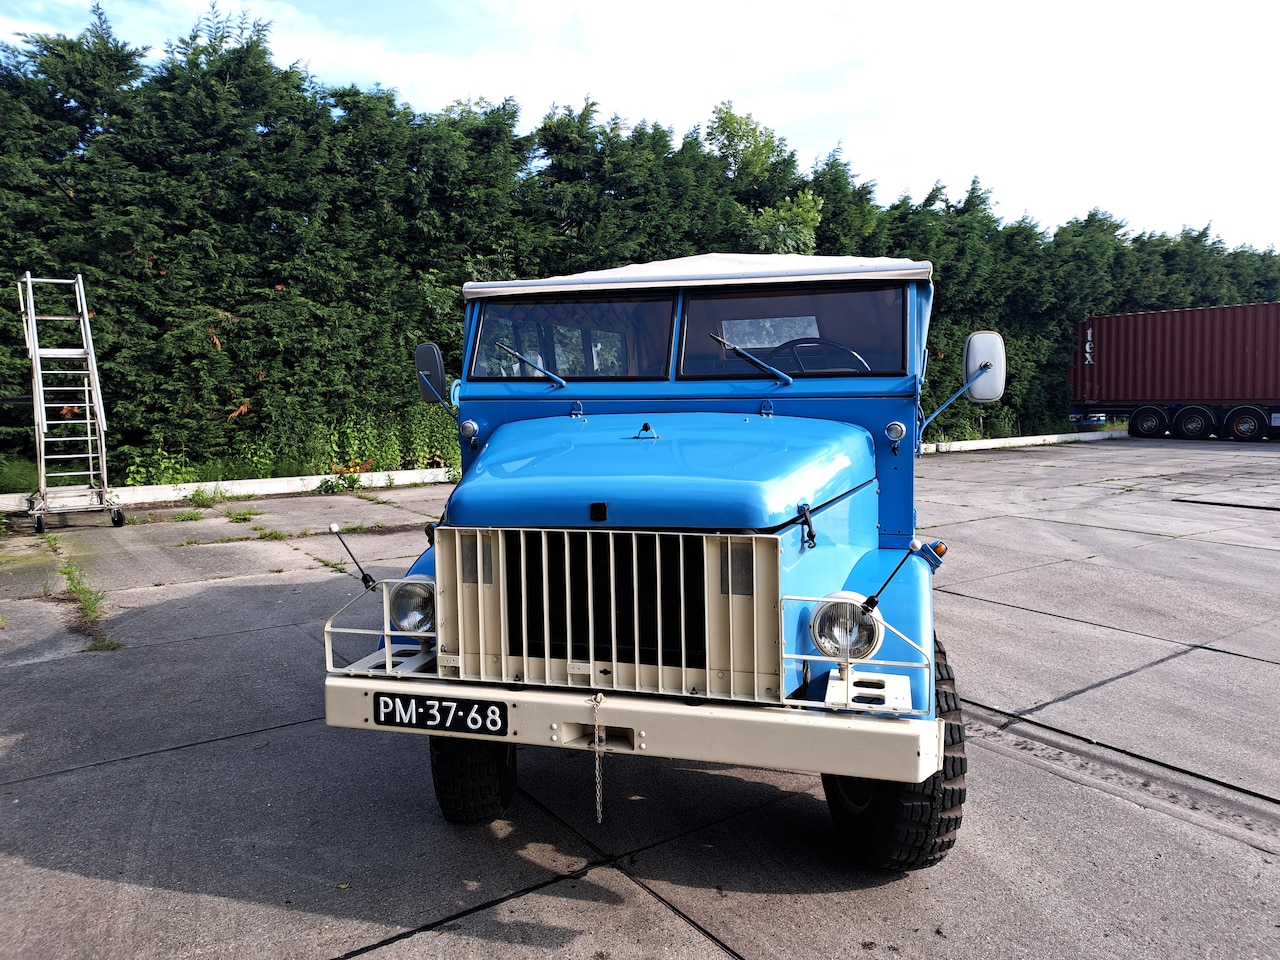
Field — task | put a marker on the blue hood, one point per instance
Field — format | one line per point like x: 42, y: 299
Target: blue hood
x: 711, y: 471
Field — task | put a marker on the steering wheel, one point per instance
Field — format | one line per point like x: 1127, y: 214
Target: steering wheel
x: 824, y: 347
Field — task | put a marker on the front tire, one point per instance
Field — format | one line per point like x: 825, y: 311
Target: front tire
x: 474, y: 780
x: 906, y: 826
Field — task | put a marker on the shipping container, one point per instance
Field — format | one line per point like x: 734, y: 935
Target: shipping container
x: 1195, y: 373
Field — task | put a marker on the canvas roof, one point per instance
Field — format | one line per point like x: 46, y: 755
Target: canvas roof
x: 712, y: 268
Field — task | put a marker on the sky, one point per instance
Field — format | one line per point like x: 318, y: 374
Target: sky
x: 1162, y: 114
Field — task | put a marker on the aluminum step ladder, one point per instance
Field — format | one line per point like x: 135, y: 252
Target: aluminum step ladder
x: 71, y: 441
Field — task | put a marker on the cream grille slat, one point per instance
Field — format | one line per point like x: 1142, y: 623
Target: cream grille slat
x: 674, y: 613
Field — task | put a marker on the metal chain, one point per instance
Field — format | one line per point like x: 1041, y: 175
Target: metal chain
x: 599, y: 746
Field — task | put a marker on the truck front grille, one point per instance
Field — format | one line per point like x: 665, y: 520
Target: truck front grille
x: 672, y: 613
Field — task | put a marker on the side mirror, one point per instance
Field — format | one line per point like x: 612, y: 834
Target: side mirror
x: 984, y: 366
x: 430, y: 366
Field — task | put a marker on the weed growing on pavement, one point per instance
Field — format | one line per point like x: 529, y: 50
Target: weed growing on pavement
x: 90, y: 600
x: 335, y: 565
x: 205, y: 497
x: 188, y: 515
x: 340, y: 483
x: 90, y: 603
x: 242, y: 516
x: 272, y: 535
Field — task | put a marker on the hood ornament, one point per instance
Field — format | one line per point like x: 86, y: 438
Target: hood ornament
x: 647, y: 433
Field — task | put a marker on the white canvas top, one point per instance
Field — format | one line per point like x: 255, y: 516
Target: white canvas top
x: 712, y: 268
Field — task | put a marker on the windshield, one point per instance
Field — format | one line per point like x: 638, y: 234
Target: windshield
x: 803, y: 332
x: 575, y: 339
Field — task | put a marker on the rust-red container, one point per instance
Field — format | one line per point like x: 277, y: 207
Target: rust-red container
x: 1223, y: 355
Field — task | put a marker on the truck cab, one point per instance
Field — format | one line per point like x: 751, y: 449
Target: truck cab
x: 685, y: 527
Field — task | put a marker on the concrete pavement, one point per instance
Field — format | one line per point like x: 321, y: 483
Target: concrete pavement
x: 1110, y: 610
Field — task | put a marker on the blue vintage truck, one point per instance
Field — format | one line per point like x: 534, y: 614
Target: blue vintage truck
x: 685, y: 528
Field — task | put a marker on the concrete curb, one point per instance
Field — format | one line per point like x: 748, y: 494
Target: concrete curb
x: 956, y: 446
x: 174, y: 492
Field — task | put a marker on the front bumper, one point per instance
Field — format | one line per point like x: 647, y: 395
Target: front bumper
x: 782, y: 738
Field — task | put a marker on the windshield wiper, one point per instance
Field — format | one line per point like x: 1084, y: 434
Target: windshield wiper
x: 537, y: 366
x: 752, y: 359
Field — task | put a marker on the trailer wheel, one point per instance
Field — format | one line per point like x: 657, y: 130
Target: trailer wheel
x: 1194, y: 423
x: 1247, y: 423
x: 906, y: 826
x: 474, y: 780
x: 1148, y: 422
x: 38, y: 520
x: 117, y: 518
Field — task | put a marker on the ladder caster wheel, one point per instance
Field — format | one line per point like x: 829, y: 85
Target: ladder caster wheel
x: 39, y: 522
x: 117, y: 518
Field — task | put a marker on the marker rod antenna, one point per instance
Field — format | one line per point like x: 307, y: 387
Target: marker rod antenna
x: 367, y: 580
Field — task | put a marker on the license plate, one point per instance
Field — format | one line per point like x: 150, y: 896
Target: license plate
x: 456, y: 715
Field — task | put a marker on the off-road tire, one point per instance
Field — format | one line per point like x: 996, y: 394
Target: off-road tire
x: 475, y: 780
x: 906, y: 826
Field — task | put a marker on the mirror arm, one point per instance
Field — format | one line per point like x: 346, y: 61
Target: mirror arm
x: 955, y: 396
x: 435, y: 393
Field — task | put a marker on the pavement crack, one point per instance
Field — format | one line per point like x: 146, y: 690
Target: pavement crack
x: 174, y: 748
x: 1090, y: 687
x: 991, y: 724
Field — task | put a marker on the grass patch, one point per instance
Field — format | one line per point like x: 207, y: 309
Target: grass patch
x: 206, y: 497
x: 188, y: 515
x: 242, y: 516
x: 272, y: 570
x: 272, y: 535
x: 3, y: 622
x: 337, y: 566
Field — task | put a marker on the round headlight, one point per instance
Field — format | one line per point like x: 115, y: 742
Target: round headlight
x: 840, y: 629
x: 413, y: 605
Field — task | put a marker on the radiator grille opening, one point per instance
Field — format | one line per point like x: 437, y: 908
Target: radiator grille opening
x: 583, y: 595
x: 669, y: 612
